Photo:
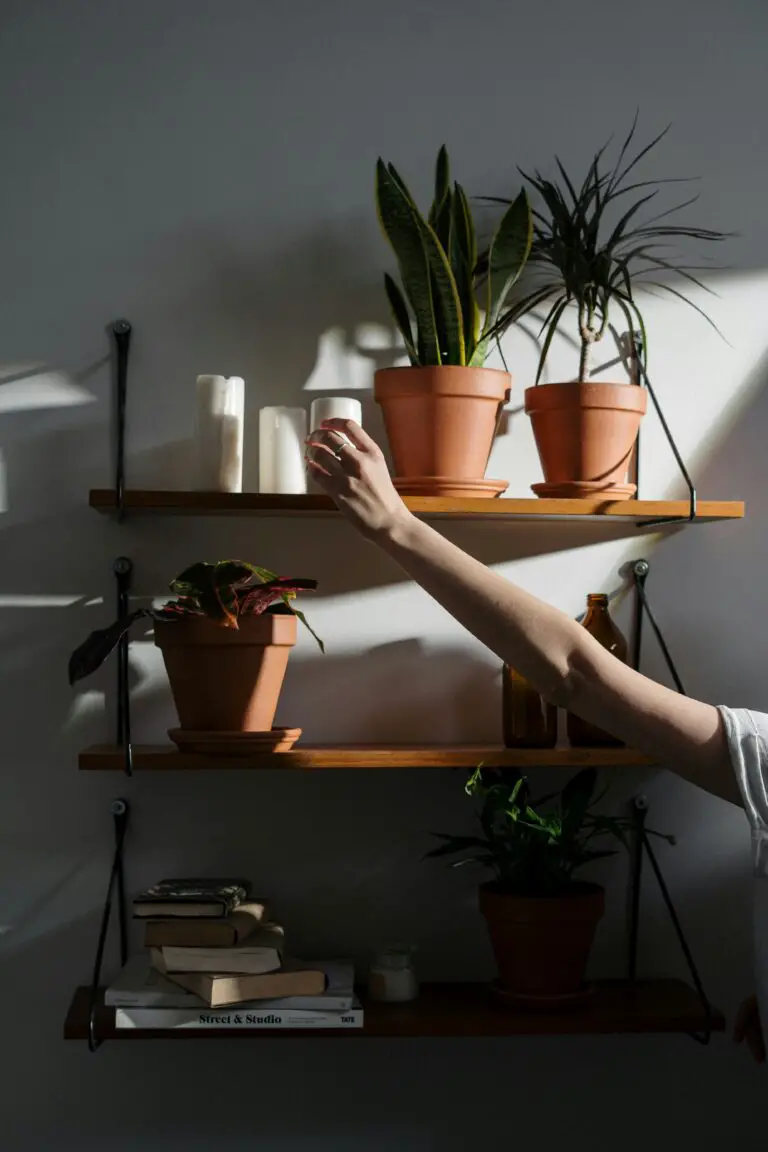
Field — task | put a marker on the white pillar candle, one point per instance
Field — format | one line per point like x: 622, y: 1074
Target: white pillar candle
x: 282, y: 432
x: 219, y: 433
x: 334, y: 408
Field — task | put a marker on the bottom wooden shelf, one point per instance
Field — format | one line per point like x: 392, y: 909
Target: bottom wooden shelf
x: 453, y: 1010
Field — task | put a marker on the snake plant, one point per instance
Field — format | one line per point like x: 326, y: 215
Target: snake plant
x: 437, y: 311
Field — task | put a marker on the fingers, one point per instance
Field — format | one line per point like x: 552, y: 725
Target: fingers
x: 321, y: 449
x: 354, y: 433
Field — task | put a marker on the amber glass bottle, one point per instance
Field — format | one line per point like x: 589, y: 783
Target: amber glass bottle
x: 598, y: 623
x: 529, y: 722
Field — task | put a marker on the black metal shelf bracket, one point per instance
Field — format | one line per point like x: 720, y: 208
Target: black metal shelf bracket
x: 123, y: 569
x: 642, y: 847
x: 121, y: 331
x: 640, y: 571
x: 642, y: 375
x: 115, y: 887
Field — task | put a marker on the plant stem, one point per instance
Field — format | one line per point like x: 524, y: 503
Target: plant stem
x: 584, y: 359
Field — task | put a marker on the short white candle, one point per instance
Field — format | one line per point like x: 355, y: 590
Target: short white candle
x: 282, y: 433
x: 334, y: 408
x: 219, y: 424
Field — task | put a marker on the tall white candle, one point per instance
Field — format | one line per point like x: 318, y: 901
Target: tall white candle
x: 282, y: 432
x: 334, y: 408
x: 219, y: 423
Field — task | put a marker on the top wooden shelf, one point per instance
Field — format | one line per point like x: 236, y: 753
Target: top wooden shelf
x: 156, y: 502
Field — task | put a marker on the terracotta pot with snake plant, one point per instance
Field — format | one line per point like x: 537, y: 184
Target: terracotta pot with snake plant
x: 441, y: 412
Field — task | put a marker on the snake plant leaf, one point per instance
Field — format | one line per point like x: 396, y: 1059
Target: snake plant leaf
x: 401, y: 223
x: 445, y: 298
x: 463, y: 257
x: 442, y: 176
x: 440, y: 214
x: 402, y: 317
x: 507, y: 255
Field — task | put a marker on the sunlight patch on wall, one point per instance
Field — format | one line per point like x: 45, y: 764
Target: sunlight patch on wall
x: 11, y: 600
x: 347, y: 361
x: 26, y: 387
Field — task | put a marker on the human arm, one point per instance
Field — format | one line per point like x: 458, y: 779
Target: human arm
x: 554, y: 653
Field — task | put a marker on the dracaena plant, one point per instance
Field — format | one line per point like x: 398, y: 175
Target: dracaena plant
x: 592, y: 248
x: 437, y: 311
x: 535, y: 847
x: 225, y: 592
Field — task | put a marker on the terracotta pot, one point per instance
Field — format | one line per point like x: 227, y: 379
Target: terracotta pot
x: 226, y: 679
x: 440, y: 421
x: 542, y: 945
x: 585, y: 434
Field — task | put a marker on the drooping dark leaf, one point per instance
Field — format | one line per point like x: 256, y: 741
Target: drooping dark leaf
x: 300, y: 616
x: 93, y: 652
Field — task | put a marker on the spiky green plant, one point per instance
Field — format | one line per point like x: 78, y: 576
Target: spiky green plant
x: 589, y: 256
x: 437, y: 312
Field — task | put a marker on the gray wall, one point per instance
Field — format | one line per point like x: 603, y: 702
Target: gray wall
x: 206, y: 169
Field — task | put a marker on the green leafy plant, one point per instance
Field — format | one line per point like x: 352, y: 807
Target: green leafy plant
x: 590, y: 251
x: 535, y: 847
x: 224, y: 592
x: 437, y: 258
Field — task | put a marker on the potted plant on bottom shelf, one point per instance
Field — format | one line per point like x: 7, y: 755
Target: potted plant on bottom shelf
x: 591, y: 252
x: 225, y: 641
x: 441, y: 413
x: 541, y: 916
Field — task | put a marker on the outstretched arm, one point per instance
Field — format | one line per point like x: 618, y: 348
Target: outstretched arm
x: 559, y: 658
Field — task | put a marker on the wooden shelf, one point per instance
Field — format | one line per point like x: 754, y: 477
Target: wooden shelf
x: 255, y: 504
x: 454, y: 1010
x: 166, y: 757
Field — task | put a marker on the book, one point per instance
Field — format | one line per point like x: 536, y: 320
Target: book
x: 141, y: 986
x: 255, y: 1019
x: 184, y: 897
x: 198, y: 932
x: 218, y: 989
x: 260, y: 952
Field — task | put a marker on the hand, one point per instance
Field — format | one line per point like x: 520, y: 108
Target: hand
x: 749, y: 1029
x: 350, y: 467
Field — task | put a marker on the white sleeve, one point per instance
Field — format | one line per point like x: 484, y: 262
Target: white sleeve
x: 747, y: 735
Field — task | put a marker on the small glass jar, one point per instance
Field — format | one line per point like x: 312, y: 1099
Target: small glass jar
x: 392, y: 977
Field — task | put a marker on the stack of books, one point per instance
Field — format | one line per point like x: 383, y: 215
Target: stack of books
x: 215, y: 959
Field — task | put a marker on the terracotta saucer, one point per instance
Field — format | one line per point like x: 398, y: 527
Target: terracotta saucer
x: 518, y: 1001
x: 446, y: 486
x: 584, y: 490
x: 234, y: 743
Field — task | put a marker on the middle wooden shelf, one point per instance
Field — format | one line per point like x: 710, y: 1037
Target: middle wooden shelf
x: 166, y: 757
